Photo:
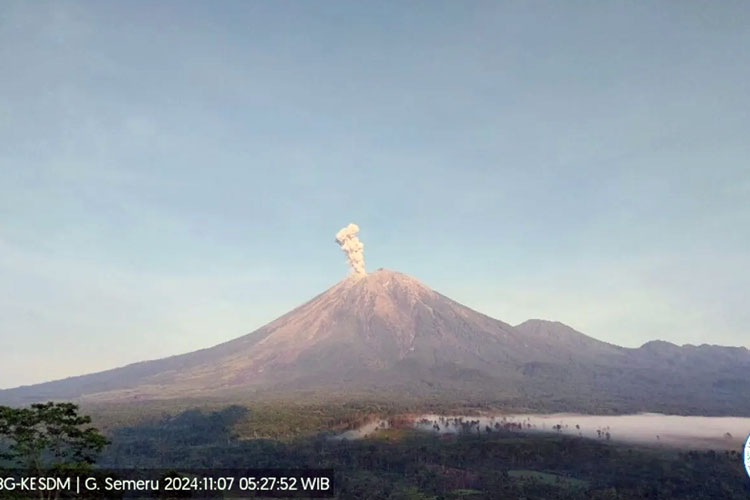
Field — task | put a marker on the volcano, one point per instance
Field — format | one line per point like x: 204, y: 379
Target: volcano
x: 386, y: 335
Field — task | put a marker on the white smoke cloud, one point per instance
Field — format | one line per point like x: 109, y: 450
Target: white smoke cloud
x: 353, y: 248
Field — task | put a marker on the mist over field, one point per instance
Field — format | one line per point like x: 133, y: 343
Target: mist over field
x: 686, y: 432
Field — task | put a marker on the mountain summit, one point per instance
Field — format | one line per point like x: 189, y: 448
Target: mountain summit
x: 385, y: 334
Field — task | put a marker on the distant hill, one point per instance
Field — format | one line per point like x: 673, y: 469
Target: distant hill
x: 386, y: 335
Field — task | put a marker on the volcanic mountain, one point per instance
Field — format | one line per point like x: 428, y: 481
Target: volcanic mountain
x: 386, y: 335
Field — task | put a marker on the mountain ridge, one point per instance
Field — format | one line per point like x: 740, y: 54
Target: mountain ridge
x: 387, y: 335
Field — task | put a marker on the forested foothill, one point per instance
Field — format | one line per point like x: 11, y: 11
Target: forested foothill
x: 398, y: 462
x: 402, y: 463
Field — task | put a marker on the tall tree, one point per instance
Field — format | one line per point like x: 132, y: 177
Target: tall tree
x: 48, y: 436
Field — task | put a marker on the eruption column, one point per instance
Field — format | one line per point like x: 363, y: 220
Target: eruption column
x: 353, y: 248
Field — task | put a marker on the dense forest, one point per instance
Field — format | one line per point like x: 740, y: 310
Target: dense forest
x: 401, y: 463
x: 393, y: 463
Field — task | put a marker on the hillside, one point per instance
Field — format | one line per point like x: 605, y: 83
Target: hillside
x: 386, y: 335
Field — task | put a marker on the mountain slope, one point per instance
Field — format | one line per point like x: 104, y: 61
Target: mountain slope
x: 387, y: 335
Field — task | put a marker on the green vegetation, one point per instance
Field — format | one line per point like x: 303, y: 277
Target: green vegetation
x: 546, y: 477
x: 399, y: 463
x: 47, y: 440
x: 47, y: 436
x: 285, y: 421
x: 406, y: 464
x: 282, y: 419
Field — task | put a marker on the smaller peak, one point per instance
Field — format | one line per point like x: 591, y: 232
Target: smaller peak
x: 659, y: 345
x: 531, y: 325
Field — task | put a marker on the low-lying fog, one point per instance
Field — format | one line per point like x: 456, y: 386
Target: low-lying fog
x: 651, y: 428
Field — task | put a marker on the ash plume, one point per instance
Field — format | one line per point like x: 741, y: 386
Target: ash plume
x: 353, y: 248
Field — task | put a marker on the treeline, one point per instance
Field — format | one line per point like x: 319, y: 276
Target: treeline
x: 394, y: 464
x: 405, y: 464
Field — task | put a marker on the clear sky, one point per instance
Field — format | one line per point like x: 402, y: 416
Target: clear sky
x: 173, y: 173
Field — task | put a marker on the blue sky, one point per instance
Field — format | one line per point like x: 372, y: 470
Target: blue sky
x: 173, y: 173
